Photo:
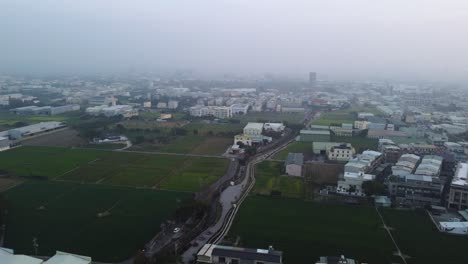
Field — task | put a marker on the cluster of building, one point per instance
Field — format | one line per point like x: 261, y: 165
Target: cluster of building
x: 114, y: 110
x: 7, y: 256
x: 254, y: 134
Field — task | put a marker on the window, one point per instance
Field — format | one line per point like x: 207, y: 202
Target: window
x: 235, y: 261
x: 222, y: 260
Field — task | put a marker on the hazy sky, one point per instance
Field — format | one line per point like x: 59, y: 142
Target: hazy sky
x: 336, y: 38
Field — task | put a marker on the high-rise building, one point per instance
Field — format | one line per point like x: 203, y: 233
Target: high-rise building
x: 312, y: 78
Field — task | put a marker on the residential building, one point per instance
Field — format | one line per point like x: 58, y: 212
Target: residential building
x: 217, y: 254
x: 161, y: 105
x: 458, y: 195
x: 222, y: 112
x: 239, y: 109
x: 294, y: 163
x: 351, y: 182
x: 147, y: 104
x: 323, y: 147
x: 275, y: 127
x: 416, y: 190
x: 216, y: 111
x: 361, y: 125
x: 244, y: 139
x: 343, y: 152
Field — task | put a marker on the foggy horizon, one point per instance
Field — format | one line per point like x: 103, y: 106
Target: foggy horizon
x: 420, y: 40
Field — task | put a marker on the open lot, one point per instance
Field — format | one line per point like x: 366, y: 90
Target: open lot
x: 64, y: 216
x: 63, y: 138
x: 419, y: 239
x: 318, y: 174
x: 348, y: 115
x: 179, y: 173
x: 268, y: 178
x: 296, y: 147
x: 304, y: 231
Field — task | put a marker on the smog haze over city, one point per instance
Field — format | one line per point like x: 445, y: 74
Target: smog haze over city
x: 234, y: 132
x: 361, y: 39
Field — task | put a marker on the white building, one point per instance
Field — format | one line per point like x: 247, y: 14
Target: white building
x: 161, y: 105
x: 239, y: 109
x: 147, y: 104
x: 172, y: 104
x: 4, y: 143
x: 36, y: 129
x: 216, y: 111
x: 276, y: 127
x: 352, y: 182
x: 221, y: 112
x: 124, y: 110
x: 253, y: 129
x: 459, y: 228
x: 361, y: 125
x: 343, y: 152
x: 244, y: 139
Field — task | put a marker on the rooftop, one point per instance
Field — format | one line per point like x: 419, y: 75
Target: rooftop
x: 295, y: 158
x: 252, y: 125
x: 314, y: 132
x: 461, y: 175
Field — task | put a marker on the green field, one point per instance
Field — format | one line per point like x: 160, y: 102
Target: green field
x: 172, y: 172
x: 204, y: 129
x: 8, y: 120
x: 304, y: 231
x: 295, y: 147
x: 419, y: 239
x: 64, y: 216
x: 268, y: 178
x: 348, y: 115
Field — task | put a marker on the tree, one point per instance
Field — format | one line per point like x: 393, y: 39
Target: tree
x: 373, y: 187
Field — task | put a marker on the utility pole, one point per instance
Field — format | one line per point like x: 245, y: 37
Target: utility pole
x: 35, y: 246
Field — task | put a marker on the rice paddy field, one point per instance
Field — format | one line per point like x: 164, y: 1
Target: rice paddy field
x: 103, y: 204
x: 269, y: 178
x: 65, y: 216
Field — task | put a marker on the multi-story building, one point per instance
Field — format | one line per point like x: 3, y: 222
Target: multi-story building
x: 216, y: 111
x: 239, y: 109
x: 458, y: 195
x: 222, y: 112
x: 253, y: 129
x: 244, y: 139
x: 361, y: 125
x: 343, y: 152
x: 416, y: 190
x: 172, y: 104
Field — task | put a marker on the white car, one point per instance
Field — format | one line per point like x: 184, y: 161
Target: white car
x: 176, y: 230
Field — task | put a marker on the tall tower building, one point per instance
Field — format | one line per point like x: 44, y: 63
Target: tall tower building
x: 312, y: 78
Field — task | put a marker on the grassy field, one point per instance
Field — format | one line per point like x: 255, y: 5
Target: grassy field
x: 418, y: 238
x: 268, y: 178
x: 179, y: 173
x: 348, y: 115
x: 359, y: 143
x: 295, y: 147
x: 305, y: 231
x: 64, y: 216
x: 292, y: 118
x: 205, y: 129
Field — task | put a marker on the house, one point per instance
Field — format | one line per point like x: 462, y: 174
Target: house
x: 342, y: 152
x: 217, y: 254
x: 351, y: 183
x: 244, y: 139
x: 294, y: 163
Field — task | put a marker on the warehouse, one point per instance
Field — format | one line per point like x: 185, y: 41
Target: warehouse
x: 32, y: 130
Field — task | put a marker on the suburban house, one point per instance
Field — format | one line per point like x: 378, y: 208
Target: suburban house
x: 342, y: 152
x: 217, y: 254
x: 244, y: 139
x: 294, y: 163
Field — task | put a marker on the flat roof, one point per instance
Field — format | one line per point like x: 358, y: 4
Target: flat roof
x: 461, y: 175
x: 314, y: 132
x: 252, y: 125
